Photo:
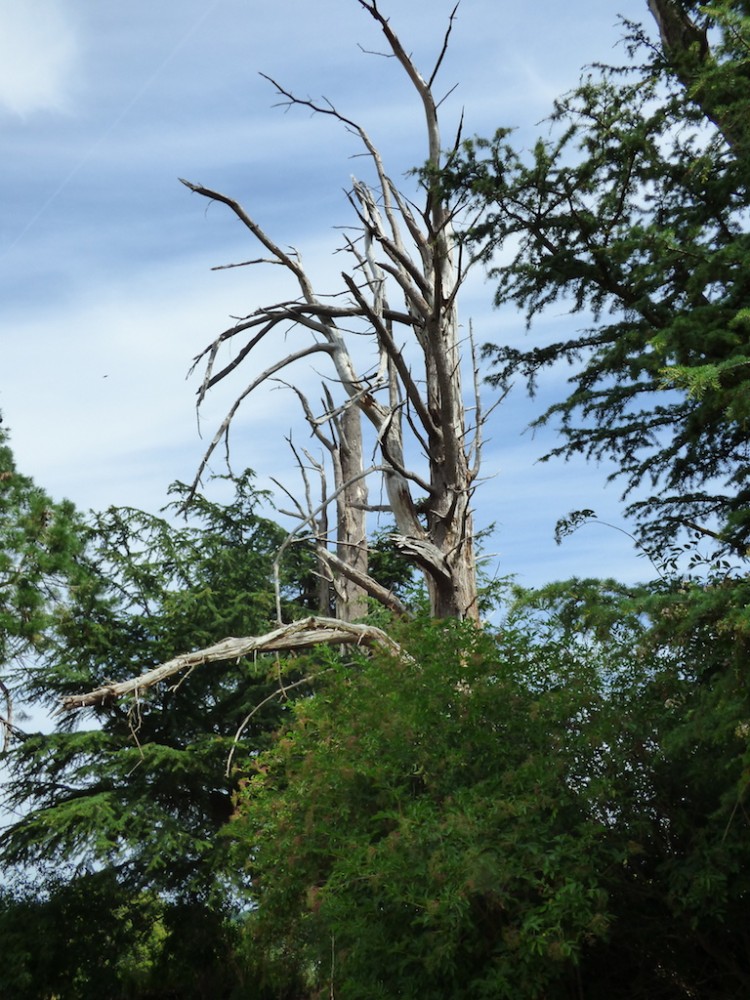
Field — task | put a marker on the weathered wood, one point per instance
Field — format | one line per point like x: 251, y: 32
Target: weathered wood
x: 304, y: 634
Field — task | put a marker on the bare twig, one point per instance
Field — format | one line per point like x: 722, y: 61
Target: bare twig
x: 310, y: 520
x: 278, y: 693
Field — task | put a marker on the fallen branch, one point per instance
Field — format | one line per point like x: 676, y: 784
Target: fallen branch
x: 304, y: 634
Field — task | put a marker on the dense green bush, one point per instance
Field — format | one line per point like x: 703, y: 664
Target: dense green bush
x: 551, y: 811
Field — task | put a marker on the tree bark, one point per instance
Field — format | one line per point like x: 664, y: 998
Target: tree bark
x: 351, y: 510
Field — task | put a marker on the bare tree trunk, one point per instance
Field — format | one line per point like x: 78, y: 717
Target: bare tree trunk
x: 351, y: 509
x: 321, y: 548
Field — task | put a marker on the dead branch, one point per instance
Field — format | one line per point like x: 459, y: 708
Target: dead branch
x: 293, y: 265
x: 421, y: 85
x: 310, y: 520
x: 223, y: 429
x: 394, y: 353
x: 376, y: 590
x: 278, y: 693
x: 444, y: 49
x: 424, y: 554
x: 304, y: 634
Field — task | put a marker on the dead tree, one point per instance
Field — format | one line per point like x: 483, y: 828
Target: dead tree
x: 401, y: 290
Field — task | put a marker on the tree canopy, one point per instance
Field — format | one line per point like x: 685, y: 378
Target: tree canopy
x: 121, y: 821
x: 552, y: 806
x: 555, y: 810
x: 634, y: 215
x: 146, y: 790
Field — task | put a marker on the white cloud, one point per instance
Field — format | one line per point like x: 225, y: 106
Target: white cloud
x: 38, y: 47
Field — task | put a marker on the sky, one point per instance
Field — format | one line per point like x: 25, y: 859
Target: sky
x: 107, y: 289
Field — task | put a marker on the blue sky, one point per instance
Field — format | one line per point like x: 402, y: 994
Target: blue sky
x: 105, y: 259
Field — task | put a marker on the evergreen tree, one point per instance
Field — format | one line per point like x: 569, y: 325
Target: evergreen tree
x: 91, y: 937
x: 122, y: 820
x: 635, y: 214
x: 39, y: 542
x: 144, y: 792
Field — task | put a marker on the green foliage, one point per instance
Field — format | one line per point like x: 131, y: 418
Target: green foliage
x: 555, y: 810
x: 144, y: 798
x: 672, y: 780
x: 413, y: 832
x: 635, y: 213
x: 51, y: 946
x: 39, y: 542
x: 128, y: 816
x: 145, y: 792
x: 89, y: 938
